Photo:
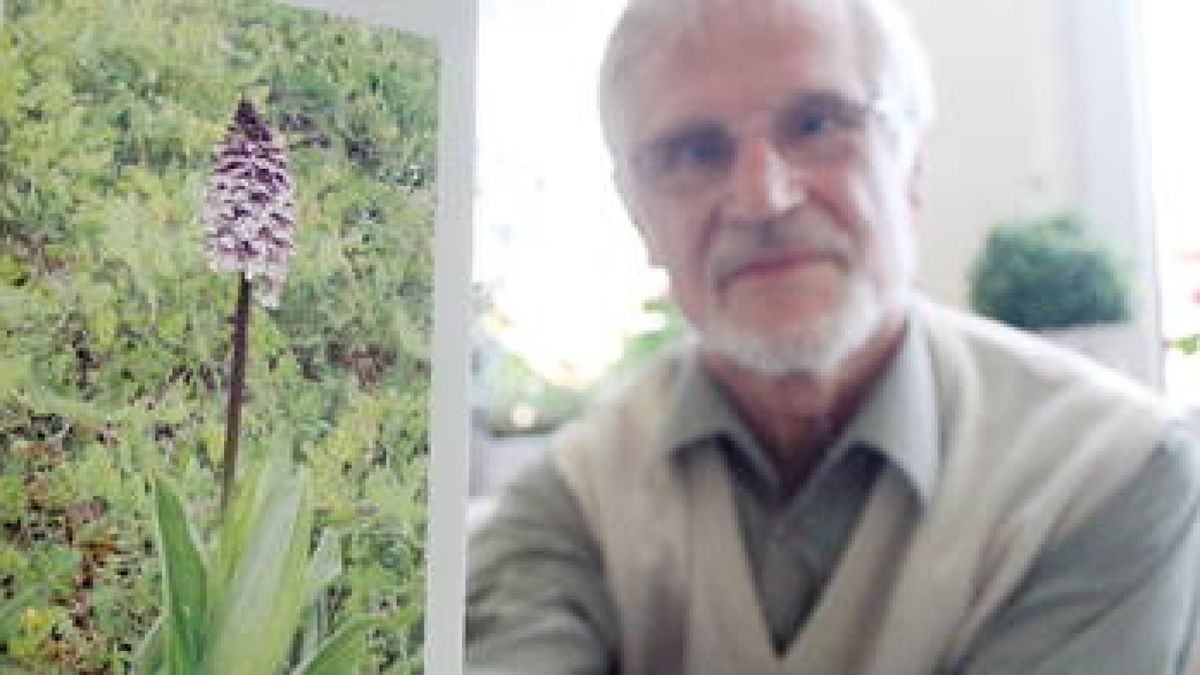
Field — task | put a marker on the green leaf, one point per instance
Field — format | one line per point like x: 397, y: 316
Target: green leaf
x: 237, y: 530
x: 261, y: 609
x: 149, y: 653
x: 212, y: 439
x: 325, y: 566
x: 1189, y: 345
x: 184, y: 581
x: 11, y: 608
x: 342, y: 652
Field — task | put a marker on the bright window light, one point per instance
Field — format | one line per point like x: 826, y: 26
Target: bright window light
x: 1174, y: 113
x: 564, y: 268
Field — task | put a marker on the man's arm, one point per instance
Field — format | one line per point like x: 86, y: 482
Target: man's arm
x: 537, y: 601
x: 1118, y: 596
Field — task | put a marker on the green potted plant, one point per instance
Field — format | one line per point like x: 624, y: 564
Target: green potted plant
x: 1052, y: 275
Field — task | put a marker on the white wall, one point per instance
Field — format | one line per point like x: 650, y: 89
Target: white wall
x: 1037, y: 112
x: 1112, y: 153
x: 1001, y: 145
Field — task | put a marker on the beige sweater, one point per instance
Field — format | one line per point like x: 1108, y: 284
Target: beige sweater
x: 1031, y: 443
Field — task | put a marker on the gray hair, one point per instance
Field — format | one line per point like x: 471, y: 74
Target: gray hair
x: 895, y: 58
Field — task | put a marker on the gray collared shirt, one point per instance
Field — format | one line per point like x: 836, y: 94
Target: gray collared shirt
x: 1123, y: 584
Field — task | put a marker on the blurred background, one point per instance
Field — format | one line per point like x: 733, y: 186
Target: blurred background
x: 1060, y: 156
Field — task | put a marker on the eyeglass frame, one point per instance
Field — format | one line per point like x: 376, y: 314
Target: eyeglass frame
x: 849, y: 121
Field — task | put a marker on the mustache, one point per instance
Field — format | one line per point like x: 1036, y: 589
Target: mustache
x: 774, y: 241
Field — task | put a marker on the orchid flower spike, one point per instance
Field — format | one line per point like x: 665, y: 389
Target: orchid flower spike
x: 249, y: 208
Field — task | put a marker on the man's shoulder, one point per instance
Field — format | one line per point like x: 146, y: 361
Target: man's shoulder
x: 1016, y: 362
x: 1043, y: 423
x: 613, y: 455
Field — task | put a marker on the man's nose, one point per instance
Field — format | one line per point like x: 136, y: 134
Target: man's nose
x: 762, y: 184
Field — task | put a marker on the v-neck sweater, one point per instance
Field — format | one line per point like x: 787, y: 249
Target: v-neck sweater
x: 929, y: 561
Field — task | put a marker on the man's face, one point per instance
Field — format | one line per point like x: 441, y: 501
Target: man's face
x: 767, y: 184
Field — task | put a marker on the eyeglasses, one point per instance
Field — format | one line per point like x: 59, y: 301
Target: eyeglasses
x: 814, y: 129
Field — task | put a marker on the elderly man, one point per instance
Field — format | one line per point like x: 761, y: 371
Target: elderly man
x: 834, y: 476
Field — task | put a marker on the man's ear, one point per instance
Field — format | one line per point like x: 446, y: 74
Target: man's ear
x: 633, y: 207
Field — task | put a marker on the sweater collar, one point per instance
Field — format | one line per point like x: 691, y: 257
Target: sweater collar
x: 898, y: 419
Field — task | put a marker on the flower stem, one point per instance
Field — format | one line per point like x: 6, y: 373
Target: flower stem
x: 237, y: 385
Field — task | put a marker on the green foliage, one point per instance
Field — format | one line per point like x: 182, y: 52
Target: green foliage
x: 1048, y: 273
x: 342, y: 648
x: 1189, y: 345
x: 113, y: 332
x: 185, y: 581
x: 641, y: 347
x: 240, y: 613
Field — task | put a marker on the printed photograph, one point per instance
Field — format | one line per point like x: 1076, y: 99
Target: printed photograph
x: 216, y: 283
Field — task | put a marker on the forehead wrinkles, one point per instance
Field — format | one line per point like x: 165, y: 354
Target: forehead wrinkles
x: 820, y: 38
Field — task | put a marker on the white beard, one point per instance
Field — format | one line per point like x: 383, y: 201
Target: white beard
x: 814, y: 346
x: 810, y: 347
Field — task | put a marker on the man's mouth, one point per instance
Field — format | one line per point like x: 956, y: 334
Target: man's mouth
x: 779, y: 264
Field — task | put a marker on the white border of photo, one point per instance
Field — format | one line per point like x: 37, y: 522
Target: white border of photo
x: 452, y: 24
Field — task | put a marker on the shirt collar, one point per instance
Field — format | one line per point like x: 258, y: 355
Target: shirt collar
x: 898, y: 419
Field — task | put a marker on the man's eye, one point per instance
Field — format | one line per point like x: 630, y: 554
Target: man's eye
x: 812, y: 124
x: 708, y: 148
